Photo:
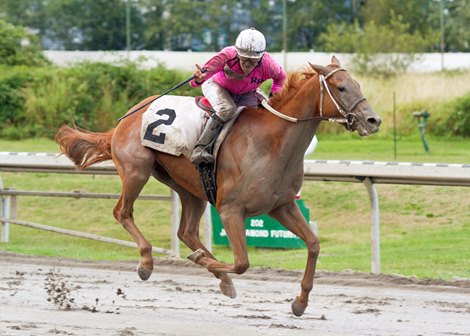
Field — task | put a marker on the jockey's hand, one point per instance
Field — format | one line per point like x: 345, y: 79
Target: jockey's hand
x: 199, y: 75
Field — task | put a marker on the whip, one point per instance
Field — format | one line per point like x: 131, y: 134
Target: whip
x: 164, y: 93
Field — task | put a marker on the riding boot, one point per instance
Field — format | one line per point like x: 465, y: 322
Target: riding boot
x: 211, y: 131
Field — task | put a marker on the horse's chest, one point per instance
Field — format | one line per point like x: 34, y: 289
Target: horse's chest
x: 265, y: 192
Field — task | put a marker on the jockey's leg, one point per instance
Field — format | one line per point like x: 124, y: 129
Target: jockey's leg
x: 222, y: 102
x: 209, y: 135
x: 250, y: 99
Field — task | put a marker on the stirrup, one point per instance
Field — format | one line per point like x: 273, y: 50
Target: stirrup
x: 201, y: 155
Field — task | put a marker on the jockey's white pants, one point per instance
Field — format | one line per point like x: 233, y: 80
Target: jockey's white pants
x: 224, y: 103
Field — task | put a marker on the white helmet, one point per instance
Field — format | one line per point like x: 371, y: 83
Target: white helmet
x: 250, y: 43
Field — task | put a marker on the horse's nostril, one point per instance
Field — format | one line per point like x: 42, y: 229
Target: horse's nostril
x: 375, y: 121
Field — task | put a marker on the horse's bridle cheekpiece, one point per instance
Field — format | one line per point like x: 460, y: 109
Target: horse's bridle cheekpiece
x: 349, y: 117
x: 345, y: 112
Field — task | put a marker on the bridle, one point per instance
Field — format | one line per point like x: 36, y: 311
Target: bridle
x: 348, y: 116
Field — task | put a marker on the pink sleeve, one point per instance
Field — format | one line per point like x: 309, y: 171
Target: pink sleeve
x: 215, y: 64
x: 278, y: 80
x: 275, y: 72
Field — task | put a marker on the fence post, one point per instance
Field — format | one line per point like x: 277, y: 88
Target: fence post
x: 375, y: 225
x: 1, y: 206
x: 208, y: 227
x: 175, y: 222
x: 5, y: 212
x: 13, y: 211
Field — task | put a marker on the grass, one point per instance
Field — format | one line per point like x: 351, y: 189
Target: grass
x: 381, y: 148
x: 413, y: 92
x: 425, y: 230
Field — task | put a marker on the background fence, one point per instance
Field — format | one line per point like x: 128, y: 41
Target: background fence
x: 292, y: 61
x: 366, y: 172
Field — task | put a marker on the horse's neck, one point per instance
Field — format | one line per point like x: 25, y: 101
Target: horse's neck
x: 301, y: 105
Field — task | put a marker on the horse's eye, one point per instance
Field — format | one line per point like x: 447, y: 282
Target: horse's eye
x: 341, y: 88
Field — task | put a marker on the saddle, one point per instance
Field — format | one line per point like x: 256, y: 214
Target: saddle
x: 204, y: 104
x: 208, y: 171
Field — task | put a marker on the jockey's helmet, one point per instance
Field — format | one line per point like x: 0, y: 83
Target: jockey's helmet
x: 250, y: 43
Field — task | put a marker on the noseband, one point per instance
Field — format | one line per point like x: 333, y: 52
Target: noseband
x: 349, y: 117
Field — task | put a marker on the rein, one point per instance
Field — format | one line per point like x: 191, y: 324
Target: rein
x: 349, y: 117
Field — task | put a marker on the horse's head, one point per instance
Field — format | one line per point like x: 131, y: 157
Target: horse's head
x: 341, y: 97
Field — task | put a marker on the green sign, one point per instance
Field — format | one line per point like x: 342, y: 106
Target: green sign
x: 262, y: 231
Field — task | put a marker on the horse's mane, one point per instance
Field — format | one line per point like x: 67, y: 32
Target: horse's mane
x: 292, y: 84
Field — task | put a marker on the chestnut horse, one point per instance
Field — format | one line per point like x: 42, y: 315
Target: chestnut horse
x: 259, y: 168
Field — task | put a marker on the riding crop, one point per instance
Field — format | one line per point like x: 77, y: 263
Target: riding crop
x: 164, y: 93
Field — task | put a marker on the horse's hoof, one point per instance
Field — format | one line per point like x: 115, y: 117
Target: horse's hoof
x: 196, y: 255
x: 297, y: 308
x: 228, y: 290
x: 143, y: 272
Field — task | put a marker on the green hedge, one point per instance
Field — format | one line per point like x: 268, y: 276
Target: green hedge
x: 35, y: 101
x: 456, y: 120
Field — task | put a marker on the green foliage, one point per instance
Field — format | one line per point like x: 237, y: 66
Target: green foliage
x: 17, y: 47
x: 380, y: 57
x: 456, y: 120
x: 212, y: 24
x: 12, y: 81
x: 417, y: 13
x: 36, y: 101
x: 456, y: 15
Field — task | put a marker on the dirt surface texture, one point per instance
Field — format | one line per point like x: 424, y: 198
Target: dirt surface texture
x: 55, y: 296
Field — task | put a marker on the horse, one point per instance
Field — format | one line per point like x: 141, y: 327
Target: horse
x: 259, y: 168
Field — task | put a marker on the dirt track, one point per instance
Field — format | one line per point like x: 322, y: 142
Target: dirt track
x: 51, y: 296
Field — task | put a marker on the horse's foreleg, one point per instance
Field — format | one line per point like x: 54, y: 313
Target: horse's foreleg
x: 234, y: 225
x: 291, y: 217
x: 192, y: 210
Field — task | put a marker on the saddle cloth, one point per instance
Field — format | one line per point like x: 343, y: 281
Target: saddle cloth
x: 173, y: 125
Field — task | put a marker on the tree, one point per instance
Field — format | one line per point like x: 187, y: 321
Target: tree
x: 393, y: 48
x: 18, y: 47
x: 151, y: 13
x: 307, y: 19
x: 26, y: 13
x: 87, y: 25
x: 456, y: 15
x: 421, y: 15
x: 76, y: 24
x: 212, y: 24
x: 415, y: 13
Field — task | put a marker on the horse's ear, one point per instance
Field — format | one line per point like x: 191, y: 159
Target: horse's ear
x: 319, y: 69
x: 334, y: 60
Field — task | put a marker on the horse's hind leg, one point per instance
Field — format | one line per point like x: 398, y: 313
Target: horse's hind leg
x: 192, y: 210
x: 291, y: 217
x: 134, y: 174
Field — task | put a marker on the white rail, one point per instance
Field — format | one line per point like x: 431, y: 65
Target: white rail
x: 370, y: 172
x: 367, y: 172
x: 442, y: 174
x: 55, y: 163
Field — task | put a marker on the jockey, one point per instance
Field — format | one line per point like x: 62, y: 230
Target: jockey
x: 232, y: 77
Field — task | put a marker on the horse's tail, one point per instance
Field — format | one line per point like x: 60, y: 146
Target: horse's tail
x: 84, y: 148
